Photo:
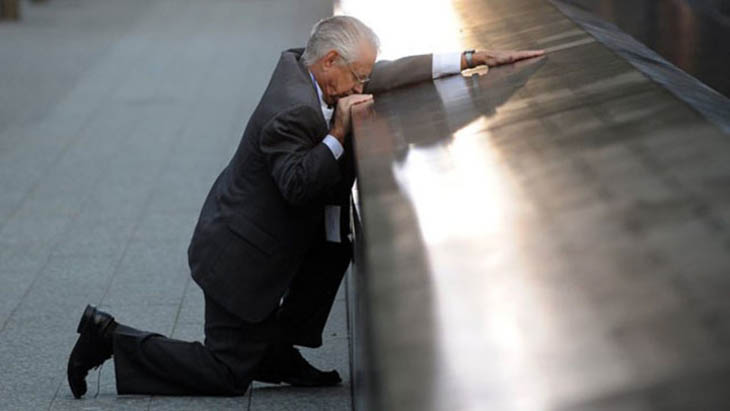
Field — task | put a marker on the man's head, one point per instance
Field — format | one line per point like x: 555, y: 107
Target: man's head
x: 340, y: 53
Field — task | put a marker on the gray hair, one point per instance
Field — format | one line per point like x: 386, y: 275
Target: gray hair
x: 343, y: 34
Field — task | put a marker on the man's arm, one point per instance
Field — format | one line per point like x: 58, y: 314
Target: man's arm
x: 494, y: 58
x: 389, y: 74
x: 302, y: 167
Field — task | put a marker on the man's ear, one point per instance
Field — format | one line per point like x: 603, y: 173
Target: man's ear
x: 330, y: 58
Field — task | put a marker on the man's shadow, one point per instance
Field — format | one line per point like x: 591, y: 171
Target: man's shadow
x: 393, y: 275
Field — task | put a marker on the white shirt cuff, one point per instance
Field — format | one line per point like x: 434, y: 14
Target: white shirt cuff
x: 446, y: 63
x: 334, y: 145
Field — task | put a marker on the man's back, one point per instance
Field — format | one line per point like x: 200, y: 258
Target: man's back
x: 266, y: 207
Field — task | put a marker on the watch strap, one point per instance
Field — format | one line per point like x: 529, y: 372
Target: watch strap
x: 468, y: 54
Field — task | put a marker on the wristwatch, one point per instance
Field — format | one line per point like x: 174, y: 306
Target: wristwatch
x: 468, y: 55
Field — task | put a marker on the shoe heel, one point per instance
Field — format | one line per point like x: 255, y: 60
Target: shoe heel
x: 85, y: 317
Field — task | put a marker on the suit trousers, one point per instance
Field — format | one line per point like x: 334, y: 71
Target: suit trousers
x: 227, y: 361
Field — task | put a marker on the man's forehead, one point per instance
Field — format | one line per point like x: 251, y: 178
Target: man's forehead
x: 366, y: 59
x: 366, y: 55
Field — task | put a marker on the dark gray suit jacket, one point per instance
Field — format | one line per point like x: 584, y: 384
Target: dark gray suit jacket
x: 266, y: 208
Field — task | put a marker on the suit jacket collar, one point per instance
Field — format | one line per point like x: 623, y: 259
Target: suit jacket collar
x: 295, y: 55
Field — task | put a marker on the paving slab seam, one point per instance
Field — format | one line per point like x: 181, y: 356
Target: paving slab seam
x: 143, y: 210
x: 179, y: 306
x: 114, y: 86
x: 84, y: 196
x: 56, y: 241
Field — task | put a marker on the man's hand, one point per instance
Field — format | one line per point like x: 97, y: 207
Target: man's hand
x: 342, y: 124
x: 493, y: 58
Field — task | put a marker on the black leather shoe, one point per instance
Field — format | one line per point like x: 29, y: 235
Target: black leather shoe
x: 93, y: 347
x: 284, y: 364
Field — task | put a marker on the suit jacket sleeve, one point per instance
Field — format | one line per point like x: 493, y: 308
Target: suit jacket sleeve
x: 389, y: 74
x: 302, y: 167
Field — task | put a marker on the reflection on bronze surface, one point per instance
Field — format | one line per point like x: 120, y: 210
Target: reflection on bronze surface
x: 546, y: 236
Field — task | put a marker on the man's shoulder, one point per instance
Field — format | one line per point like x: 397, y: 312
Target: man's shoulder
x: 290, y: 88
x: 292, y: 78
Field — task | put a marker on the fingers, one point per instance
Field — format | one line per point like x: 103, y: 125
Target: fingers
x: 363, y: 100
x: 497, y: 58
x: 521, y: 55
x: 354, y: 99
x: 342, y: 116
x: 359, y: 98
x: 533, y: 53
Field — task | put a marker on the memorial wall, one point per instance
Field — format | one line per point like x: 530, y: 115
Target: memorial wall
x: 548, y: 235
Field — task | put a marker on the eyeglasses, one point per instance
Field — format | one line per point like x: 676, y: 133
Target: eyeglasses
x: 360, y: 80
